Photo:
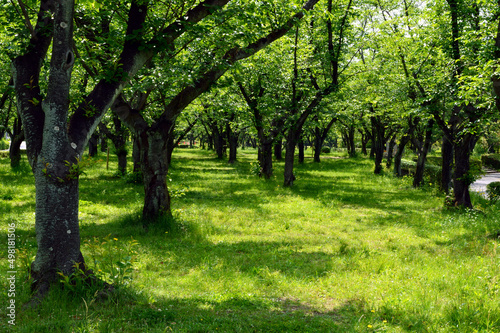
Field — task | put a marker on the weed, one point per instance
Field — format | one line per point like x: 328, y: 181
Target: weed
x: 113, y: 259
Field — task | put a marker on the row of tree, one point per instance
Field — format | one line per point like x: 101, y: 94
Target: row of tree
x: 391, y: 71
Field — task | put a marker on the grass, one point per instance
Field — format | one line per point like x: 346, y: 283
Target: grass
x: 342, y: 251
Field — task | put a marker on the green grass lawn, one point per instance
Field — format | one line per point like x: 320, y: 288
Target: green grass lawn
x: 342, y: 250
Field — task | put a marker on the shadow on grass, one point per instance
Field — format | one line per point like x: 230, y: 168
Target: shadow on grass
x: 127, y: 311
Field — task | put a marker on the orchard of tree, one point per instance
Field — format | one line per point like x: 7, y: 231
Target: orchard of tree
x: 380, y: 76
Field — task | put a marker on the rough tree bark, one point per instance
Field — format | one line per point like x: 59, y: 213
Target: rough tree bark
x: 52, y: 154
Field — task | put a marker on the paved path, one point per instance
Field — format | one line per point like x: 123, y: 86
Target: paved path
x: 480, y: 185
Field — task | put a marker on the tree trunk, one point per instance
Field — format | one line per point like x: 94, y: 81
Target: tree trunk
x: 154, y: 165
x: 364, y: 142
x: 122, y: 161
x: 93, y: 148
x: 399, y: 154
x: 266, y: 158
x: 291, y: 142
x: 220, y: 144
x: 232, y: 139
x: 462, y: 178
x: 379, y: 136
x: 390, y: 151
x: 318, y: 144
x: 254, y: 143
x: 278, y: 150
x: 170, y: 148
x: 104, y: 142
x: 15, y: 144
x: 418, y: 178
x: 351, y: 147
x: 301, y: 151
x: 447, y: 163
x: 136, y: 155
x: 57, y: 228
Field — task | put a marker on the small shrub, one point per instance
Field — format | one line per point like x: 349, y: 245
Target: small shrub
x: 326, y: 150
x: 493, y: 191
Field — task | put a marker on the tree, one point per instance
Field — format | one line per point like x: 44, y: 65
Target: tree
x: 300, y: 106
x: 153, y: 137
x: 54, y: 144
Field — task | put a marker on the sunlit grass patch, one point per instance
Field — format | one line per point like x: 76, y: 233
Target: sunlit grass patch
x: 342, y: 250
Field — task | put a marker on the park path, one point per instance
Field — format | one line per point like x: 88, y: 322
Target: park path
x: 480, y: 184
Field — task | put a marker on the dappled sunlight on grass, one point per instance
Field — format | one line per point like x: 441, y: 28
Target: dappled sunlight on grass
x: 342, y: 250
